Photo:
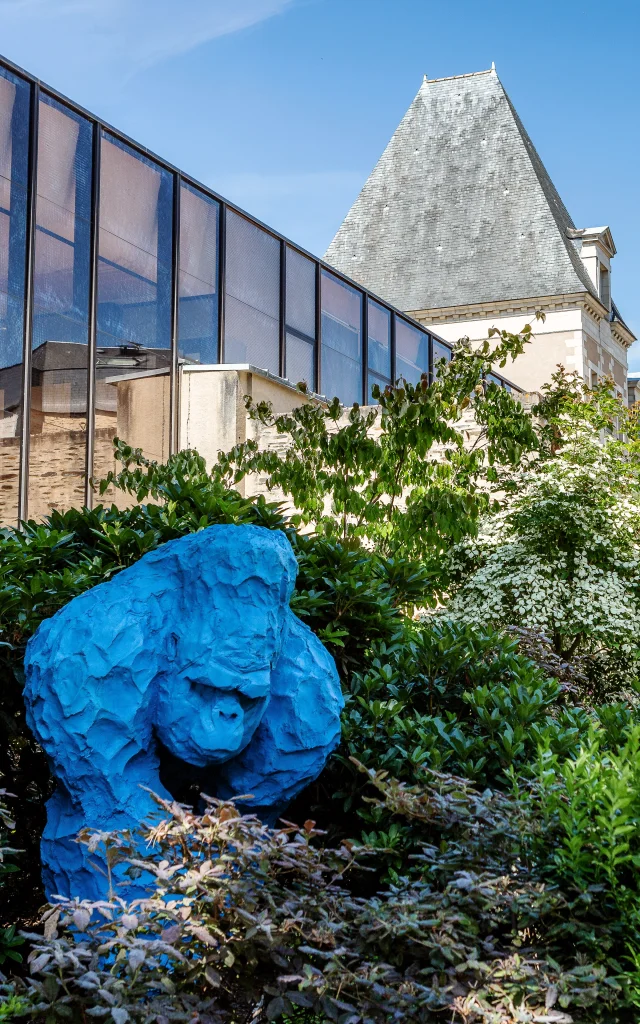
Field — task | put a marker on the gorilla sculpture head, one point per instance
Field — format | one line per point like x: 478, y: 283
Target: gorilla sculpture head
x: 193, y: 650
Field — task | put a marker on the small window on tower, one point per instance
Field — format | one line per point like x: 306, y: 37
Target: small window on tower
x: 594, y: 378
x: 605, y: 287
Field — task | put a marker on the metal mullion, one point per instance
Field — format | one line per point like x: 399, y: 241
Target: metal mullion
x: 32, y: 195
x: 222, y: 261
x: 394, y: 374
x: 94, y: 248
x: 174, y: 398
x: 365, y: 348
x: 318, y: 359
x: 283, y: 306
x: 431, y: 377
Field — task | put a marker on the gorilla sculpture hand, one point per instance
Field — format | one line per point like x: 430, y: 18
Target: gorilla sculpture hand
x: 193, y: 649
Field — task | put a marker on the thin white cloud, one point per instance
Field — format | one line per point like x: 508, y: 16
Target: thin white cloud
x: 128, y: 35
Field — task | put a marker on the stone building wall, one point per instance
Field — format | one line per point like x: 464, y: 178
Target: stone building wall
x: 213, y: 416
x: 205, y: 392
x: 579, y: 339
x: 212, y: 419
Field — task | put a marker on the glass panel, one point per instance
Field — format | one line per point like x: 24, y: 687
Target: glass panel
x: 13, y: 208
x: 14, y: 144
x: 412, y: 351
x: 198, y: 281
x: 440, y: 351
x: 382, y: 383
x: 300, y: 361
x: 251, y: 336
x: 301, y: 294
x: 133, y: 357
x: 341, y: 350
x: 300, y: 317
x: 198, y: 321
x: 61, y: 272
x: 64, y: 158
x: 14, y: 127
x: 492, y: 379
x: 135, y: 199
x: 58, y: 423
x: 252, y: 295
x: 379, y: 340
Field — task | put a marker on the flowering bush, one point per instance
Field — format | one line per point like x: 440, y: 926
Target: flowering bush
x: 562, y: 556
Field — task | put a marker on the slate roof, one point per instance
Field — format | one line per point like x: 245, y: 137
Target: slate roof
x: 459, y: 209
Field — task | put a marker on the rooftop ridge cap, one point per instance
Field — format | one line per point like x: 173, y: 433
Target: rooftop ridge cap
x: 450, y: 78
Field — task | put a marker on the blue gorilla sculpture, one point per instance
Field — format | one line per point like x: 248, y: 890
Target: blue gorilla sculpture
x: 193, y: 649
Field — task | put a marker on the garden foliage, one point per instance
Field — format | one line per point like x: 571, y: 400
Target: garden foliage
x: 562, y: 556
x: 400, y: 476
x: 471, y: 851
x: 501, y: 918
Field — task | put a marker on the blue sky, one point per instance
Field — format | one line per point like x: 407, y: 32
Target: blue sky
x: 285, y: 105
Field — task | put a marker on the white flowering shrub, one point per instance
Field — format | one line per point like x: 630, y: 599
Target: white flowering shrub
x: 515, y: 586
x: 562, y: 556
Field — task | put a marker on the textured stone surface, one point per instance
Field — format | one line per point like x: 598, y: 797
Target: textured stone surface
x: 459, y: 209
x: 194, y: 649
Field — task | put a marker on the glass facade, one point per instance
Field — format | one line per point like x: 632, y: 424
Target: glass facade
x: 300, y: 319
x: 412, y: 351
x: 341, y: 351
x: 133, y: 344
x: 440, y: 351
x: 60, y: 338
x: 14, y: 163
x: 378, y: 347
x: 198, y: 280
x: 116, y: 270
x: 252, y: 295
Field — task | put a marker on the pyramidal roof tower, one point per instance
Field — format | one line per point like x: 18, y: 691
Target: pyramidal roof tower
x: 459, y: 223
x: 459, y: 209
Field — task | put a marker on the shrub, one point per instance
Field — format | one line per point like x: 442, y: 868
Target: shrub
x: 561, y: 557
x: 349, y: 598
x: 446, y: 697
x: 246, y: 918
x: 353, y: 598
x: 451, y: 696
x: 9, y: 940
x: 399, y: 478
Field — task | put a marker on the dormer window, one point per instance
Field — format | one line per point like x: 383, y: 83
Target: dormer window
x: 604, y: 289
x: 597, y: 249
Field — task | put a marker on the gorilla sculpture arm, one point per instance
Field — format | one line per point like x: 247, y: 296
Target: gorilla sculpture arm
x: 194, y: 647
x: 289, y: 748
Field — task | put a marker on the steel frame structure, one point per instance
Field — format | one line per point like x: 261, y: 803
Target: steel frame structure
x: 100, y: 127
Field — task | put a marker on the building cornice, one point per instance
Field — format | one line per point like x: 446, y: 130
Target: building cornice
x: 622, y: 334
x: 525, y: 307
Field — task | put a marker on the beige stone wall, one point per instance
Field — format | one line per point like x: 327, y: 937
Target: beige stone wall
x: 142, y: 419
x: 558, y: 340
x: 213, y: 417
x: 9, y: 480
x: 573, y: 338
